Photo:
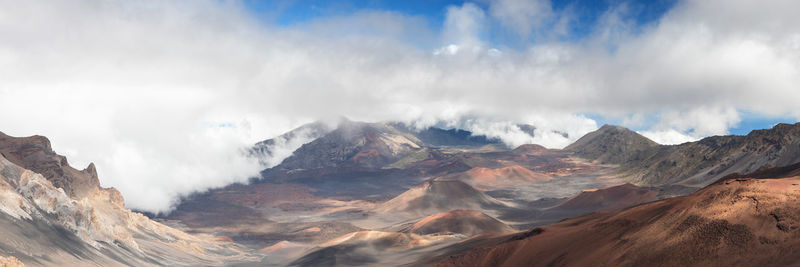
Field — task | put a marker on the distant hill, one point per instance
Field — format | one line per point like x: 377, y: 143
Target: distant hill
x: 611, y: 144
x: 501, y: 177
x: 439, y: 196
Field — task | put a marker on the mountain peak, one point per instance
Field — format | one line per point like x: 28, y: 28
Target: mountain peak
x: 611, y: 144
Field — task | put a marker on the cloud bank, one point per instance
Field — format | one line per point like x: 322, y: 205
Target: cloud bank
x: 164, y: 96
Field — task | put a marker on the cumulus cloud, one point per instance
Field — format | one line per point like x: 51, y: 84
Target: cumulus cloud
x: 668, y: 137
x: 165, y: 96
x: 464, y: 25
x: 522, y: 16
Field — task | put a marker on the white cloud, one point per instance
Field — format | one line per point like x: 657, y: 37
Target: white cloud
x: 163, y: 95
x: 522, y: 16
x: 464, y: 25
x: 701, y: 121
x: 668, y: 137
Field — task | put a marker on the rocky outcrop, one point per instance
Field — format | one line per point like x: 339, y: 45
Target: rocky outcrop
x: 10, y: 262
x: 90, y: 223
x: 36, y: 154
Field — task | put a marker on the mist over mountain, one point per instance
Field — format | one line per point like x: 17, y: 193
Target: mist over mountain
x: 383, y: 193
x: 399, y: 133
x: 132, y: 86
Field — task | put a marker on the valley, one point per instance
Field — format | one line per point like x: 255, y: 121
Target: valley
x: 385, y: 194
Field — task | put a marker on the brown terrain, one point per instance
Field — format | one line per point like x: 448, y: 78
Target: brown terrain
x: 392, y: 195
x: 608, y: 199
x: 465, y: 222
x: 735, y: 222
x: 439, y: 196
x: 388, y: 194
x: 486, y: 178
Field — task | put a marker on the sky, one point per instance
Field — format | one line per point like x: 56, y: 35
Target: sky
x: 164, y: 96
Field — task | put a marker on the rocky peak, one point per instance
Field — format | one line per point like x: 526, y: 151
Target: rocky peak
x: 35, y: 153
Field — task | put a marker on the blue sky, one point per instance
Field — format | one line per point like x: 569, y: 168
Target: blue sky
x: 585, y: 16
x: 586, y: 12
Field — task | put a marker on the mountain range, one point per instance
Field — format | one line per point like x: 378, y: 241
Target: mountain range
x: 386, y: 193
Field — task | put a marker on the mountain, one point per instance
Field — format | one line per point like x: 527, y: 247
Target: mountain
x: 386, y: 194
x: 611, y: 144
x: 734, y: 222
x: 53, y: 214
x: 439, y: 196
x: 357, y: 144
x: 371, y: 145
x: 465, y: 222
x: 705, y: 161
x: 694, y: 164
x: 273, y: 151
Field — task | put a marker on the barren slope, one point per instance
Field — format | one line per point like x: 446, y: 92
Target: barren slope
x: 743, y: 222
x: 439, y: 196
x: 465, y: 222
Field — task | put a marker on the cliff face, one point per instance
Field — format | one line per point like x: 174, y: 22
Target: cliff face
x: 51, y: 213
x: 35, y: 153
